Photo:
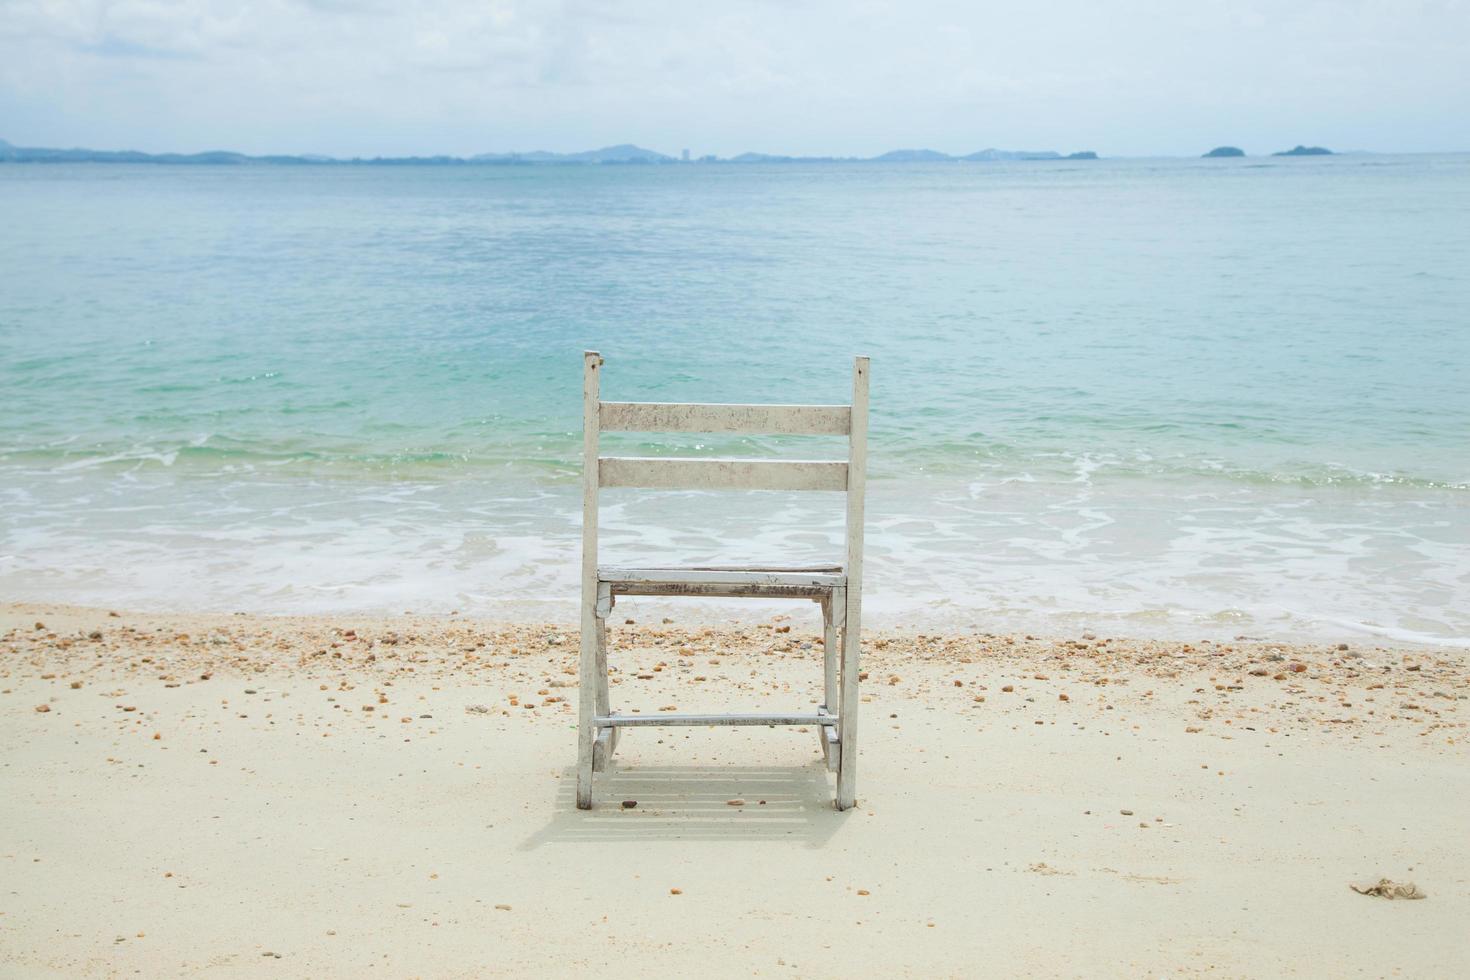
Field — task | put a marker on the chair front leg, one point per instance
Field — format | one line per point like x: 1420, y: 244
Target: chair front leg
x: 847, y: 720
x: 829, y: 656
x: 587, y: 698
x: 606, y: 741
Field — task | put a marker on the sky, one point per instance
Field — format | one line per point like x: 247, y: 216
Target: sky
x: 858, y: 77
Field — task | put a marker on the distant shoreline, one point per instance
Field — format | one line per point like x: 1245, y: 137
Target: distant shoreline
x: 621, y: 155
x: 625, y: 154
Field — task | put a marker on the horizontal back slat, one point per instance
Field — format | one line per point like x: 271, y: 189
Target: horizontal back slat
x: 673, y: 473
x: 807, y: 420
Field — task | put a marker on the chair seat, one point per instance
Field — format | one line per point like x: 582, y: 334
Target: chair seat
x: 724, y: 580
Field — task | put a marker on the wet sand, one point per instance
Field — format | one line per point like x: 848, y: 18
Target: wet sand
x: 350, y: 796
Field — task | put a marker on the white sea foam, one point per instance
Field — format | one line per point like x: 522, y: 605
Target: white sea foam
x: 1131, y: 559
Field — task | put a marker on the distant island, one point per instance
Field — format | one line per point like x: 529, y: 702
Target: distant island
x: 1225, y: 151
x: 982, y: 156
x: 621, y: 154
x: 1304, y: 151
x: 912, y: 156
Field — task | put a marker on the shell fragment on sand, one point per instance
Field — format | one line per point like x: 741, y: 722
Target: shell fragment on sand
x: 1384, y: 888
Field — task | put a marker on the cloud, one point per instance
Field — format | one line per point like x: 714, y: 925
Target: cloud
x: 111, y: 46
x: 462, y: 76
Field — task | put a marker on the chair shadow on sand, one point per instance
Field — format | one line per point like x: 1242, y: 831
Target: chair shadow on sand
x: 693, y: 803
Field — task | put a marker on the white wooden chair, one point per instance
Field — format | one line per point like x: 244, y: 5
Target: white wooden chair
x: 836, y: 588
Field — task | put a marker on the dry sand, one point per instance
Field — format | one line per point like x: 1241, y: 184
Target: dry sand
x: 242, y: 796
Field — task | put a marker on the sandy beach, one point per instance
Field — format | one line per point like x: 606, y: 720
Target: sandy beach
x: 232, y: 795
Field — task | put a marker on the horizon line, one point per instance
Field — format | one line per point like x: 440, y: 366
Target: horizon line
x: 635, y: 153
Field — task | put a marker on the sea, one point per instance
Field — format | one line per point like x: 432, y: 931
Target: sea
x: 1173, y: 398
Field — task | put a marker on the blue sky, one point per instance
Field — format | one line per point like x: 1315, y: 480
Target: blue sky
x: 1137, y: 77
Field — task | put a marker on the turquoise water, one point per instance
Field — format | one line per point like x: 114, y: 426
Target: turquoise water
x: 1159, y: 397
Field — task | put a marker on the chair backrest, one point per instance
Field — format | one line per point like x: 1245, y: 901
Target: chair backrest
x: 669, y: 473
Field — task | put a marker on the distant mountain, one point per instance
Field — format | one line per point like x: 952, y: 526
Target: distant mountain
x: 781, y: 158
x: 761, y: 158
x: 1304, y: 151
x: 912, y: 156
x: 994, y: 154
x: 916, y: 156
x: 39, y: 154
x: 1224, y: 151
x: 622, y: 153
